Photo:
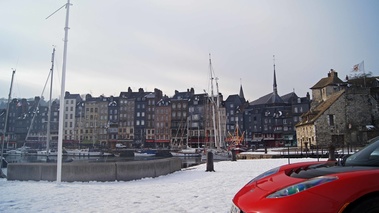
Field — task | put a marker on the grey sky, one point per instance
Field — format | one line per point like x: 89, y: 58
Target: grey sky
x: 165, y: 44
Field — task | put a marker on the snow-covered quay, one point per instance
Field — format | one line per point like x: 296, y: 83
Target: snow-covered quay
x: 189, y: 190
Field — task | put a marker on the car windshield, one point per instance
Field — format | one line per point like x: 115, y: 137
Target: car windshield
x: 368, y: 156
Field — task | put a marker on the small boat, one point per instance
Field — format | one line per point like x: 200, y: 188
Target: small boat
x: 145, y: 153
x: 181, y: 154
x: 108, y: 154
x: 19, y: 151
x: 187, y: 152
x: 44, y: 152
x: 82, y: 152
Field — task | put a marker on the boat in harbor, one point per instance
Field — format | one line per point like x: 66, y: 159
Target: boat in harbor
x: 51, y: 152
x: 235, y: 141
x: 186, y: 152
x: 145, y: 153
x: 19, y: 151
x: 82, y: 152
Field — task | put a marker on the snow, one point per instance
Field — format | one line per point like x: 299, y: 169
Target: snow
x: 189, y: 190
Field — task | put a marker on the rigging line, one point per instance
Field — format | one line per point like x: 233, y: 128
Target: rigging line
x: 55, y: 11
x: 37, y: 108
x: 56, y: 70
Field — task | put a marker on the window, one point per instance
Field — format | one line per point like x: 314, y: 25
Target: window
x: 331, y: 120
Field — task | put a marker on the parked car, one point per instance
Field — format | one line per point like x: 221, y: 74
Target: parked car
x: 350, y: 186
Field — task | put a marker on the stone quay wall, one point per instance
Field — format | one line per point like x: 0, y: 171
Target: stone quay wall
x: 93, y: 171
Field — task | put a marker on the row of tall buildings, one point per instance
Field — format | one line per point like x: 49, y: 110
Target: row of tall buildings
x: 339, y: 112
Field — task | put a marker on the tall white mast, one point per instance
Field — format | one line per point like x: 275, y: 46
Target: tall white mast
x: 61, y: 103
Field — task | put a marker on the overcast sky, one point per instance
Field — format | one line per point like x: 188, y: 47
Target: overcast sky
x: 165, y: 44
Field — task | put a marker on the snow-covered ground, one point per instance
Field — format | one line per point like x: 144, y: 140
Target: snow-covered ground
x: 189, y: 190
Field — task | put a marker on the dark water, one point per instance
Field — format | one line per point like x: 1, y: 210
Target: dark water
x: 186, y: 161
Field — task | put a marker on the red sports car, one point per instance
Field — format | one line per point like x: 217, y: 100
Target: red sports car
x: 351, y: 186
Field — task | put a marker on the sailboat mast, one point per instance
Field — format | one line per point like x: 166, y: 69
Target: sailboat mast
x: 5, y: 124
x: 212, y: 102
x: 49, y: 110
x: 61, y: 104
x: 218, y: 114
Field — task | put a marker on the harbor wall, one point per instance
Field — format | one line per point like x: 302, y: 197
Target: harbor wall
x: 93, y: 171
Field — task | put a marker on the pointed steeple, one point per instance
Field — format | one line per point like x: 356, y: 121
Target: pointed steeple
x: 241, y: 92
x: 275, y: 86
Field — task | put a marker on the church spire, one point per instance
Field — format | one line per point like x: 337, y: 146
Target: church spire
x: 241, y: 91
x: 275, y: 86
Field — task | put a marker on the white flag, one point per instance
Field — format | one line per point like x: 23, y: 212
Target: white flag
x: 358, y: 67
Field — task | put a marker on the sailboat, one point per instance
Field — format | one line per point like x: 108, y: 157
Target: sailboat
x: 2, y: 175
x: 218, y: 151
x: 48, y: 152
x: 186, y: 151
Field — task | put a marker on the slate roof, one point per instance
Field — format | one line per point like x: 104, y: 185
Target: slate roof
x: 331, y: 80
x: 319, y: 110
x: 290, y: 97
x: 183, y: 95
x: 235, y: 99
x: 271, y: 98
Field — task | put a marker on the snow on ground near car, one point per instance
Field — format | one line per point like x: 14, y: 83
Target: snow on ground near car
x: 189, y: 190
